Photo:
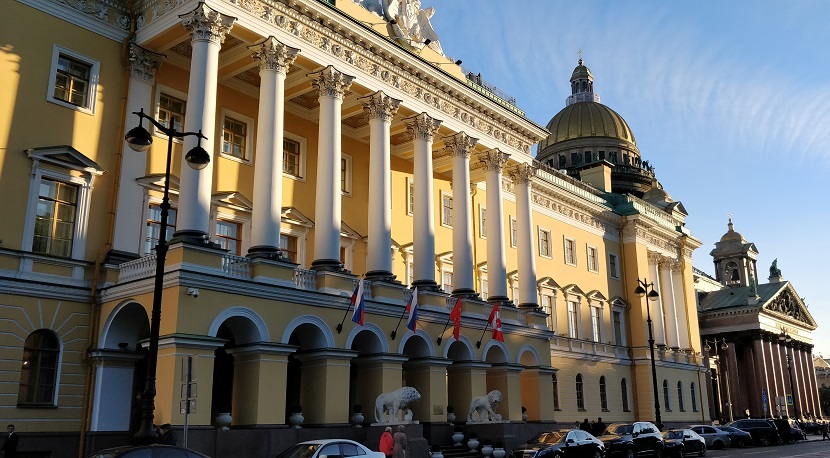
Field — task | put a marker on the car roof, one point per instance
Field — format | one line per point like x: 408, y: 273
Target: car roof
x: 328, y: 441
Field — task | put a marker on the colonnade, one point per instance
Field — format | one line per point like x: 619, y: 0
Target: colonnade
x: 668, y: 312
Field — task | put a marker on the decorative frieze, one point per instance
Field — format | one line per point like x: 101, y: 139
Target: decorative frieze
x: 273, y: 55
x: 144, y: 63
x: 206, y: 24
x: 379, y: 105
x: 423, y: 126
x: 460, y: 144
x: 331, y: 83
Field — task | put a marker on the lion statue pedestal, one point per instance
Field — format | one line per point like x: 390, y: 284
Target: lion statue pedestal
x: 484, y: 408
x: 387, y: 406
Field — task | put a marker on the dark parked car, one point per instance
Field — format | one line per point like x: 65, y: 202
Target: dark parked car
x: 633, y: 439
x: 147, y: 451
x: 738, y: 437
x: 811, y: 427
x: 763, y: 432
x: 789, y: 432
x: 680, y: 442
x: 562, y: 443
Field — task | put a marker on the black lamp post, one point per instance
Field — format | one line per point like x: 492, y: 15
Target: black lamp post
x: 787, y: 340
x: 647, y: 289
x: 139, y: 140
x: 723, y: 346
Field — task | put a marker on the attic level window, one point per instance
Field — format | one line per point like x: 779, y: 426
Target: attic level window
x: 73, y: 80
x: 575, y: 159
x: 612, y: 156
x: 588, y: 157
x: 602, y: 155
x: 563, y: 161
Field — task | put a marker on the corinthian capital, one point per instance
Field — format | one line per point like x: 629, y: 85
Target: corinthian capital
x: 522, y: 174
x: 423, y: 126
x: 460, y: 144
x: 144, y: 63
x: 379, y: 105
x: 273, y: 55
x: 494, y: 159
x: 331, y: 83
x: 206, y: 24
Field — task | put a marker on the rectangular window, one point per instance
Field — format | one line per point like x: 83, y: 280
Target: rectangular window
x: 576, y: 159
x: 171, y: 112
x: 592, y: 259
x: 153, y: 231
x: 346, y: 174
x: 288, y: 245
x: 234, y: 137
x: 515, y: 291
x: 602, y: 155
x: 410, y: 197
x: 618, y: 337
x: 484, y: 290
x: 291, y: 158
x: 570, y: 252
x: 547, y: 307
x: 596, y: 319
x: 513, y: 232
x: 482, y: 222
x: 229, y: 236
x: 572, y: 320
x: 588, y: 157
x: 612, y: 156
x: 73, y: 81
x: 446, y: 210
x: 555, y: 393
x: 613, y: 266
x: 57, y: 207
x: 544, y: 242
x: 446, y: 282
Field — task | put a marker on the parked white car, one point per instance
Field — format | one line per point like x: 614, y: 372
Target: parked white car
x: 715, y: 438
x: 341, y: 448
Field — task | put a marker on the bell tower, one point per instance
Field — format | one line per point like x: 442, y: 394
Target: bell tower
x: 735, y: 259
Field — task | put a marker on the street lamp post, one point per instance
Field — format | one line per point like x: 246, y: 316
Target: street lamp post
x: 723, y: 346
x: 787, y: 340
x: 647, y: 289
x: 140, y: 140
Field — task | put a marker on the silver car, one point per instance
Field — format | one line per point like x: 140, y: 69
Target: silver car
x: 715, y: 438
x: 342, y: 448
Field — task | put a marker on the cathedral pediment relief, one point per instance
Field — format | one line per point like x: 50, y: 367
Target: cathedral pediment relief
x: 788, y: 304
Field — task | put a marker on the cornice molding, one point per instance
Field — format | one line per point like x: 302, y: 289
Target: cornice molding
x: 108, y: 18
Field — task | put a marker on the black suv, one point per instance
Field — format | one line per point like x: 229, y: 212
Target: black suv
x: 763, y: 432
x: 633, y: 439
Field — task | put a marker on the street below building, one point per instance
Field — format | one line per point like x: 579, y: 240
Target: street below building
x: 812, y: 448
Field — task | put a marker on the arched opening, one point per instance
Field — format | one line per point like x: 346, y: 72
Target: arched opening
x: 366, y: 370
x: 666, y: 395
x: 580, y: 393
x: 603, y: 394
x: 308, y: 336
x: 232, y: 386
x: 459, y: 374
x: 223, y: 370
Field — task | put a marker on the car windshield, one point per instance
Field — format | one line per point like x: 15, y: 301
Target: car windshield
x: 550, y: 437
x: 300, y: 451
x: 621, y: 429
x: 673, y: 434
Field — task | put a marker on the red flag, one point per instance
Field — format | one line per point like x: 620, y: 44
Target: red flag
x: 455, y: 316
x: 495, y: 323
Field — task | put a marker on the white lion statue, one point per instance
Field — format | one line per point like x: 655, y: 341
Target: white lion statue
x: 388, y: 404
x: 484, y: 406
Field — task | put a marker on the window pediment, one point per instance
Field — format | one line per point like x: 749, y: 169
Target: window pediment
x: 233, y: 200
x: 156, y: 182
x: 573, y: 289
x: 66, y: 157
x: 293, y: 216
x: 547, y: 282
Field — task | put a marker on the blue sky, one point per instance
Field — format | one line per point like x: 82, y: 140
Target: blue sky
x: 729, y: 100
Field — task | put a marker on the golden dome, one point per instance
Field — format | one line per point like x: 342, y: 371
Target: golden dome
x: 587, y: 119
x: 731, y: 234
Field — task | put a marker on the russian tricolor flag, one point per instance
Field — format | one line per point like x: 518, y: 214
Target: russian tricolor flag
x: 358, y: 303
x: 412, y: 308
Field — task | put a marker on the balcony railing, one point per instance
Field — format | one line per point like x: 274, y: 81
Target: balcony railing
x: 490, y: 91
x: 137, y: 269
x: 236, y: 266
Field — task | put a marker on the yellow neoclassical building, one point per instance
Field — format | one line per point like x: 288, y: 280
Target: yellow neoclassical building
x: 395, y: 165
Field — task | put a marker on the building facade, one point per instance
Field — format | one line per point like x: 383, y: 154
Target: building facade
x: 344, y: 144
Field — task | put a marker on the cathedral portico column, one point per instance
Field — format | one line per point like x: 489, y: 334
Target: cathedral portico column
x: 668, y: 305
x: 537, y: 392
x: 260, y: 372
x: 760, y: 376
x: 522, y: 176
x: 274, y: 59
x: 114, y: 372
x: 680, y: 306
x: 208, y: 29
x: 459, y: 146
x: 736, y: 391
x: 376, y: 374
x: 506, y: 378
x: 423, y: 128
x: 331, y: 84
x: 429, y: 377
x: 129, y: 219
x: 465, y: 380
x: 494, y: 160
x: 657, y: 317
x: 325, y: 374
x: 380, y: 108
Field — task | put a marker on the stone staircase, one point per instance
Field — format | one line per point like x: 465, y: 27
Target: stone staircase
x: 459, y: 451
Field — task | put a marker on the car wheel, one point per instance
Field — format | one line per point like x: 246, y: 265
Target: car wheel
x: 629, y: 453
x: 717, y: 445
x: 597, y: 454
x: 740, y: 443
x: 702, y: 452
x: 764, y: 440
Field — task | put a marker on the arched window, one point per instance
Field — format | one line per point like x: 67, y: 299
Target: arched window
x: 694, y: 396
x: 39, y: 371
x: 603, y: 395
x: 555, y: 393
x: 624, y: 390
x: 680, y: 397
x: 666, y: 395
x: 580, y: 395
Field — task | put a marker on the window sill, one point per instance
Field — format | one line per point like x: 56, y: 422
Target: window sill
x: 25, y: 405
x: 581, y: 410
x: 605, y: 410
x: 233, y: 158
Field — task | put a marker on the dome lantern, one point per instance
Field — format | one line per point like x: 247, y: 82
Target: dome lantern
x: 582, y: 85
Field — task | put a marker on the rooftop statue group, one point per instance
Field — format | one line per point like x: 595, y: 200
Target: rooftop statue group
x: 411, y: 23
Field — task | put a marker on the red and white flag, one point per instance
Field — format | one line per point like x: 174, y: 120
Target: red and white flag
x: 495, y: 323
x: 455, y: 316
x: 358, y: 303
x: 412, y: 308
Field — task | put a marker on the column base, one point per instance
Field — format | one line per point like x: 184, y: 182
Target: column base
x: 529, y: 306
x: 193, y: 237
x: 499, y: 299
x: 328, y: 265
x: 381, y: 275
x: 465, y: 293
x: 426, y: 285
x: 265, y: 251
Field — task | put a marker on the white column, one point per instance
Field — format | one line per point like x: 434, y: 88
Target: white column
x: 274, y: 59
x: 496, y: 267
x: 129, y: 218
x: 207, y: 28
x: 459, y: 146
x: 424, y: 128
x: 680, y: 306
x: 658, y: 322
x: 380, y: 108
x: 522, y: 176
x: 331, y: 85
x: 667, y: 296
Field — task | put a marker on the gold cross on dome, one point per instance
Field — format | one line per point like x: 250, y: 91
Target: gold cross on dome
x: 580, y: 53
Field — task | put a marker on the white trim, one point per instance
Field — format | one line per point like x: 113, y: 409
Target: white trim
x: 410, y: 194
x: 244, y: 222
x: 94, y: 76
x: 552, y: 318
x: 446, y: 219
x: 250, y: 136
x: 420, y: 333
x: 482, y: 221
x: 565, y: 242
x: 513, y: 232
x: 595, y: 257
x: 493, y: 343
x: 539, y: 231
x: 151, y: 199
x: 615, y: 272
x: 346, y: 189
x: 244, y: 312
x: 315, y: 321
x: 373, y: 329
x: 596, y: 312
x: 303, y: 156
x: 157, y: 102
x: 532, y: 350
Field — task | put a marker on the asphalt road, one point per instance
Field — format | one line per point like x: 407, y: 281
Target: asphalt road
x: 812, y: 448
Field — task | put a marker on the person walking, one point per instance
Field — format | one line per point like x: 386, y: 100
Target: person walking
x: 586, y: 425
x: 824, y: 430
x: 599, y: 427
x: 399, y: 448
x: 386, y: 442
x: 10, y: 444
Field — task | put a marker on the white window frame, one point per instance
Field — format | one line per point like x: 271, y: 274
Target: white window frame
x: 573, y: 318
x: 346, y: 160
x: 569, y: 245
x: 244, y: 226
x: 94, y: 76
x: 445, y: 275
x: 592, y: 257
x: 596, y: 323
x: 301, y: 239
x: 446, y: 219
x: 250, y: 137
x: 303, y: 156
x: 548, y: 253
x: 550, y: 307
x: 482, y: 222
x: 617, y: 307
x: 484, y: 287
x: 152, y: 199
x: 513, y: 232
x: 410, y: 196
x: 160, y: 88
x: 614, y: 270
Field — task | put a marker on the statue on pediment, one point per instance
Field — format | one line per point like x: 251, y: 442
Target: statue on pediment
x: 412, y: 24
x: 774, y: 271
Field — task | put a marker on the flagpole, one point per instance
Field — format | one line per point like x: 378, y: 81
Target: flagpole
x: 478, y: 344
x: 441, y: 336
x: 339, y: 327
x: 395, y: 332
